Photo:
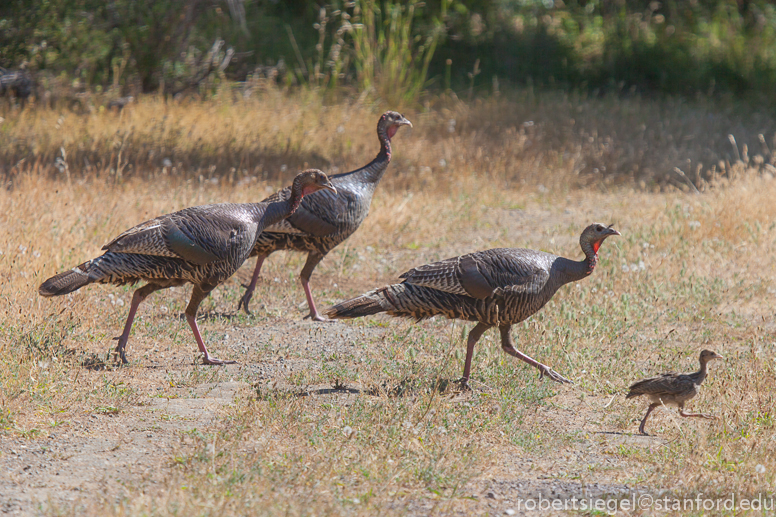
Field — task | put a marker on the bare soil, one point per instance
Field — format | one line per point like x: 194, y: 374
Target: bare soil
x: 97, y: 456
x: 105, y: 454
x: 101, y: 454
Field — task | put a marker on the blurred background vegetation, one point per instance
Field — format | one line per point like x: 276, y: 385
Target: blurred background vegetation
x: 395, y: 50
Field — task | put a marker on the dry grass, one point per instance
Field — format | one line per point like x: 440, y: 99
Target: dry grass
x: 554, y: 139
x: 690, y: 272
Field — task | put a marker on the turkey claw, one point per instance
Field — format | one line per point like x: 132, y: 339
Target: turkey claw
x: 552, y: 374
x: 215, y: 362
x: 317, y: 317
x: 246, y: 298
x: 120, y: 349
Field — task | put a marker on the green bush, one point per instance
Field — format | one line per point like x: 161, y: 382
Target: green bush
x: 391, y: 48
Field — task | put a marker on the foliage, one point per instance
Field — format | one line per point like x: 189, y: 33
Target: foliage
x: 390, y: 48
x: 672, y: 46
x: 375, y: 46
x: 389, y: 58
x: 146, y: 43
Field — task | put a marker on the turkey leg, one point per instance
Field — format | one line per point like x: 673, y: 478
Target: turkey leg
x: 197, y: 295
x: 246, y: 298
x: 312, y: 260
x: 474, y: 335
x: 698, y: 415
x: 508, y: 346
x: 139, y: 295
x: 644, y: 420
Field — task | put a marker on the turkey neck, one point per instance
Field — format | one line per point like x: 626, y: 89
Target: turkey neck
x: 275, y: 212
x: 574, y: 270
x: 374, y: 170
x: 293, y: 202
x: 700, y: 375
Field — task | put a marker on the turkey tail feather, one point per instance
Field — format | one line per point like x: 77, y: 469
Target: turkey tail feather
x: 66, y: 282
x: 365, y: 305
x: 418, y: 302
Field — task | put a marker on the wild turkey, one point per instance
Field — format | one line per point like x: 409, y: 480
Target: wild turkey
x: 673, y: 389
x: 325, y: 220
x: 203, y: 245
x: 497, y: 287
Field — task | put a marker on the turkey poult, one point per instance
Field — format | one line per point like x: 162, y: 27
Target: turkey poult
x: 203, y: 245
x: 673, y: 389
x: 325, y: 219
x: 497, y: 287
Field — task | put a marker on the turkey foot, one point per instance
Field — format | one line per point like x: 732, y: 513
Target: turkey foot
x: 552, y: 374
x: 314, y: 315
x: 137, y: 297
x: 508, y: 347
x: 209, y: 359
x: 317, y: 317
x: 120, y: 348
x: 464, y: 382
x: 246, y: 298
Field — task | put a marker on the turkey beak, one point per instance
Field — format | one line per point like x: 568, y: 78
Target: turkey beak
x: 717, y: 356
x: 405, y: 122
x: 612, y: 231
x: 329, y: 186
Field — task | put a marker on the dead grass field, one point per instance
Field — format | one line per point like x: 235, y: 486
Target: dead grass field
x: 361, y: 418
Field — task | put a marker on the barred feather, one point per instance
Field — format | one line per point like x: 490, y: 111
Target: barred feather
x: 416, y: 302
x: 202, y: 245
x: 65, y: 283
x: 499, y: 286
x: 674, y: 387
x: 324, y: 220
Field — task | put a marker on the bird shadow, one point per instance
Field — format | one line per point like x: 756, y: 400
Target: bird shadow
x: 333, y: 391
x: 97, y: 362
x: 414, y: 387
x: 275, y: 392
x: 213, y: 316
x: 625, y: 435
x: 616, y: 433
x: 405, y: 388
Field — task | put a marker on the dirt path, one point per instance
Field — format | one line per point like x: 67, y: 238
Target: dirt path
x: 102, y: 453
x: 105, y: 453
